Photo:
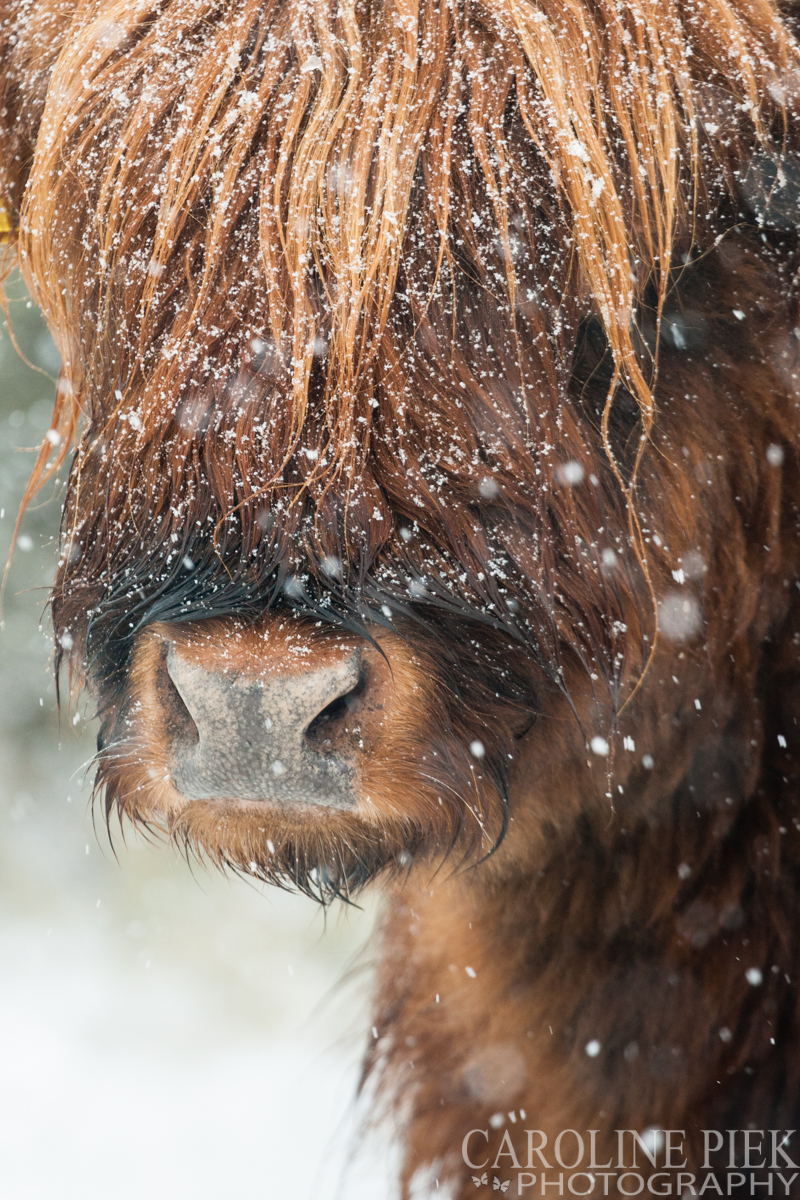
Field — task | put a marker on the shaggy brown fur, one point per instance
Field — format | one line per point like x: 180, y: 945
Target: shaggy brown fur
x: 465, y: 334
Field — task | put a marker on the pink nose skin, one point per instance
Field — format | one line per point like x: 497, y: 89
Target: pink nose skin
x: 233, y: 736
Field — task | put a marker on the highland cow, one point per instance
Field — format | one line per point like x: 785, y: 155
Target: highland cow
x: 430, y: 375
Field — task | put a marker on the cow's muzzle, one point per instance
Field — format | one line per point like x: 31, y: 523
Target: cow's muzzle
x: 254, y: 715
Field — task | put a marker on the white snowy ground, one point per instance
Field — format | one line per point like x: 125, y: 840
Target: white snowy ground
x: 163, y: 1034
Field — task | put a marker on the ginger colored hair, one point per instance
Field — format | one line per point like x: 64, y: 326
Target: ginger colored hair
x: 318, y: 270
x: 309, y: 139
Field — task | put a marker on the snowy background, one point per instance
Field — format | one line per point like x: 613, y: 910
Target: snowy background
x: 164, y: 1032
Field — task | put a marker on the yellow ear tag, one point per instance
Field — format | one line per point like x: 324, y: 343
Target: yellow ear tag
x: 5, y: 223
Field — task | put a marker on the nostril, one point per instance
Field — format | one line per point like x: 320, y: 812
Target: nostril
x: 326, y: 724
x: 182, y: 727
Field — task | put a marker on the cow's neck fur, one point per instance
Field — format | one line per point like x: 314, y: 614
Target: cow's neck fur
x: 606, y: 943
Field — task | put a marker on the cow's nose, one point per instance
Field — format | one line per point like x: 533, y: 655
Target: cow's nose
x: 238, y: 735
